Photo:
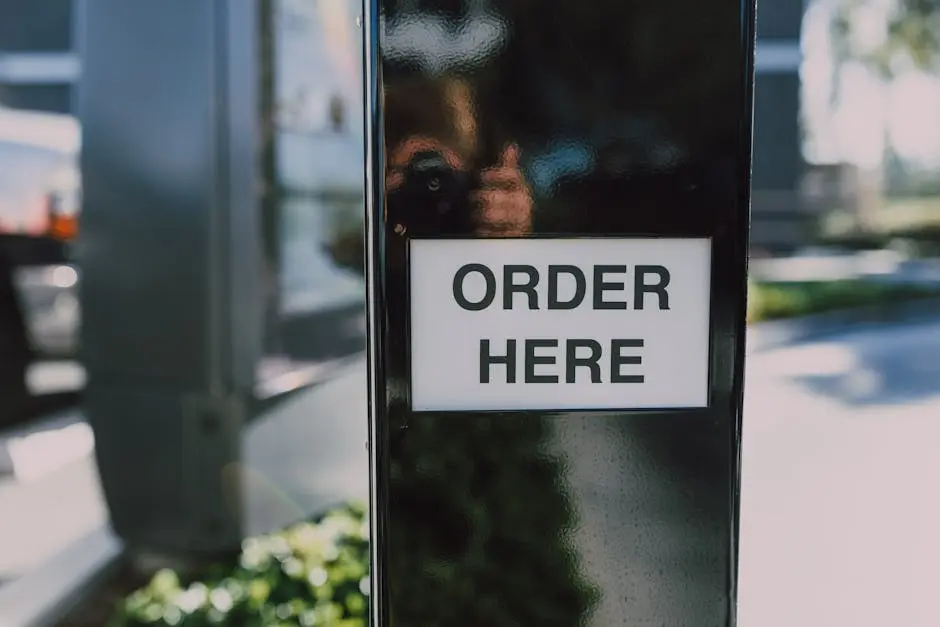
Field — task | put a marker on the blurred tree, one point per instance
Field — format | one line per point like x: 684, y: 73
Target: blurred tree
x: 889, y: 37
x: 916, y: 28
x: 911, y: 36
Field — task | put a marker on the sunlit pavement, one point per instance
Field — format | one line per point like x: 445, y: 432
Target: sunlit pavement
x: 841, y: 505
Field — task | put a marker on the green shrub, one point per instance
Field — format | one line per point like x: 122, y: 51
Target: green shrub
x: 481, y: 538
x: 314, y: 573
x: 774, y: 301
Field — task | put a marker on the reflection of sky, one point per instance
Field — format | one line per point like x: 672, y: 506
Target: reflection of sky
x: 560, y: 159
x: 24, y: 169
x: 310, y: 280
x: 33, y: 146
x: 318, y: 58
x: 318, y: 51
x: 438, y: 44
x: 317, y: 161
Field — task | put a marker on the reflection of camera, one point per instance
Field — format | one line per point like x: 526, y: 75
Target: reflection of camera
x: 434, y: 197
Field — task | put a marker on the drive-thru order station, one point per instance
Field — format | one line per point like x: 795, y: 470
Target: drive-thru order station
x: 556, y: 257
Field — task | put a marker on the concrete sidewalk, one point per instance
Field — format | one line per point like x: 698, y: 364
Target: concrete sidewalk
x: 304, y: 454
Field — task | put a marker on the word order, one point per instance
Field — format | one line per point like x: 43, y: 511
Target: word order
x: 606, y: 293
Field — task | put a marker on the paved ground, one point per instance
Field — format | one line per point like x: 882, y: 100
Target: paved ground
x: 840, y: 500
x: 840, y: 506
x: 305, y: 453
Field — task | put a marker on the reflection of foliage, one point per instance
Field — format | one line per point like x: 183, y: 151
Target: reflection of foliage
x: 347, y: 249
x: 310, y: 574
x: 917, y: 28
x: 480, y: 518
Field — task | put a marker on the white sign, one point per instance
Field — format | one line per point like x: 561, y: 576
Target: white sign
x: 543, y: 324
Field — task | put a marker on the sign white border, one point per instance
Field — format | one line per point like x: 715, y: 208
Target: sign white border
x: 445, y: 340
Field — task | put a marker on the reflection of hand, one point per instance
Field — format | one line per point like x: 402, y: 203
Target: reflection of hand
x: 504, y: 198
x: 503, y: 203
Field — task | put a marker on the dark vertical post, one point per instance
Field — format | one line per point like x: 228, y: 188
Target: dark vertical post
x: 612, y: 140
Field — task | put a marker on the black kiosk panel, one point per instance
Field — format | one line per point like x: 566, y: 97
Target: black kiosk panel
x: 558, y: 218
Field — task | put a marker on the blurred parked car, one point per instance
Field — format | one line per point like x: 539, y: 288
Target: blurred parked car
x: 40, y: 201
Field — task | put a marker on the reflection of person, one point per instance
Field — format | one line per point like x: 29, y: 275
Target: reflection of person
x: 478, y: 517
x: 440, y: 117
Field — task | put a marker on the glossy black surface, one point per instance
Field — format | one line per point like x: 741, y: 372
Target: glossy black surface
x: 557, y: 118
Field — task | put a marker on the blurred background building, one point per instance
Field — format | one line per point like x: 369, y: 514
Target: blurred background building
x: 39, y: 65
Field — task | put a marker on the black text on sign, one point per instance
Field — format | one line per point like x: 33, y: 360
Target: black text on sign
x: 507, y: 324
